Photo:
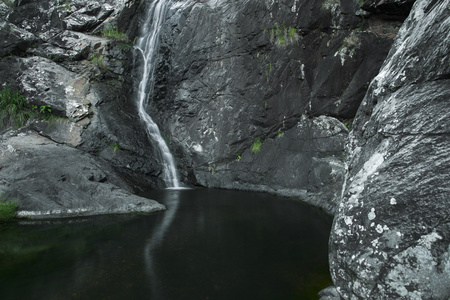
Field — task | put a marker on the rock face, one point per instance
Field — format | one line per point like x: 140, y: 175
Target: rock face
x: 53, y: 180
x: 285, y: 72
x: 390, y: 238
x: 91, y: 159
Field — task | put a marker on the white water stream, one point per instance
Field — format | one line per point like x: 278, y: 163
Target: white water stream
x: 147, y: 45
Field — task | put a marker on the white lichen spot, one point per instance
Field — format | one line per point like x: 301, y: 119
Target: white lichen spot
x: 197, y: 148
x: 302, y: 70
x: 393, y: 201
x: 348, y: 220
x: 375, y: 243
x: 428, y: 239
x: 371, y: 215
x: 379, y: 228
x: 69, y: 90
x: 11, y: 149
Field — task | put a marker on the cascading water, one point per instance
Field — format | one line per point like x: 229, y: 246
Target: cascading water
x: 147, y: 45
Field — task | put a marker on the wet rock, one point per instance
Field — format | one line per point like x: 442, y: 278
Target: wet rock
x: 50, y: 180
x: 305, y: 162
x: 231, y: 72
x: 390, y: 238
x: 84, y: 78
x: 329, y: 293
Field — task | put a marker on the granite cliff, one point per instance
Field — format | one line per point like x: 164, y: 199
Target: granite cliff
x: 301, y: 98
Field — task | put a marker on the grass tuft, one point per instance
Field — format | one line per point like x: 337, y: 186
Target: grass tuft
x: 14, y: 109
x: 113, y: 33
x: 256, y: 146
x: 8, y: 211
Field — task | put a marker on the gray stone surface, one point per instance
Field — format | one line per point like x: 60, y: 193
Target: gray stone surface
x: 287, y: 72
x: 305, y: 162
x: 50, y: 180
x: 232, y: 72
x: 390, y: 238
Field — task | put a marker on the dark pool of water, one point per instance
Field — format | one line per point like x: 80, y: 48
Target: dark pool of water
x: 209, y: 244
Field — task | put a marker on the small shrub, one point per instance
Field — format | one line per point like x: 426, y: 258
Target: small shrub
x: 44, y: 111
x: 8, y: 211
x: 113, y: 33
x: 126, y: 47
x: 13, y: 108
x: 115, y: 147
x: 96, y: 59
x: 256, y: 146
x: 282, y: 36
x: 281, y: 132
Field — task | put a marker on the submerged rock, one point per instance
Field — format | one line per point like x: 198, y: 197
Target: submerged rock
x: 390, y: 238
x: 49, y: 180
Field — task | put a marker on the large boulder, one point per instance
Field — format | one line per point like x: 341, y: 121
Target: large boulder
x: 47, y: 179
x: 391, y: 235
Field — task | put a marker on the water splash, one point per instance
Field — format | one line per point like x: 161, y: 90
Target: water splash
x: 147, y: 45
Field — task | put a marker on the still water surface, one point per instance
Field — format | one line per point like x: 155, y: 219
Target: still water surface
x: 209, y: 244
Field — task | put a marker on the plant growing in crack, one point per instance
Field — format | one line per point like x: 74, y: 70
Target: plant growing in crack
x: 115, y: 147
x: 283, y: 36
x: 97, y: 60
x: 113, y: 33
x: 256, y: 146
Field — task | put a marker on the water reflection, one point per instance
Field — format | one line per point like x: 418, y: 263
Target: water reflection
x: 209, y: 244
x: 171, y: 200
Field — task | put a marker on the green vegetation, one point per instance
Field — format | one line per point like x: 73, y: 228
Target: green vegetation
x: 115, y: 147
x: 8, y: 211
x: 113, y: 33
x: 9, y: 3
x: 238, y: 158
x: 281, y: 132
x: 348, y: 123
x: 15, y: 111
x: 44, y: 111
x: 13, y: 108
x: 96, y: 59
x: 126, y: 47
x: 256, y: 146
x: 282, y: 36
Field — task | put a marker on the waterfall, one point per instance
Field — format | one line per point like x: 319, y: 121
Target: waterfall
x: 147, y: 45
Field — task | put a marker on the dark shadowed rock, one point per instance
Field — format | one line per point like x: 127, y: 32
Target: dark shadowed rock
x: 14, y: 40
x: 48, y: 180
x: 305, y: 162
x: 389, y: 7
x: 390, y: 238
x: 231, y: 72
